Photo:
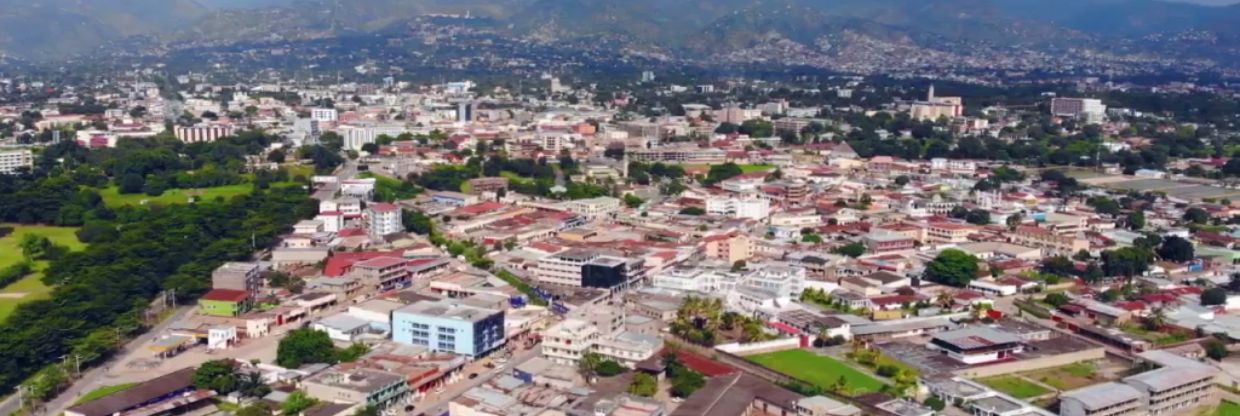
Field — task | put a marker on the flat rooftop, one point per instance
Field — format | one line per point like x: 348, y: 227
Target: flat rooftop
x: 447, y: 309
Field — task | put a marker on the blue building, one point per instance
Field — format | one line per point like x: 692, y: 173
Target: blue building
x: 449, y: 326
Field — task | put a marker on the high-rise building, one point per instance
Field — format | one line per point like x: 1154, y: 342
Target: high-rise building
x: 12, y: 160
x: 1088, y: 109
x: 326, y: 115
x: 202, y: 132
x: 384, y: 219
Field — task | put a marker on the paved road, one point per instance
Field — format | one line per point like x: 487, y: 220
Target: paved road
x: 97, y: 377
x: 437, y: 403
x: 346, y: 171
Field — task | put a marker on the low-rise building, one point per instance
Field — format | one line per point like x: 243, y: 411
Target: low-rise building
x: 366, y: 386
x: 449, y: 326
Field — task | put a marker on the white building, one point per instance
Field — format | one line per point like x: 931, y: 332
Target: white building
x: 565, y: 342
x: 747, y: 208
x: 594, y: 207
x: 202, y: 132
x: 782, y: 279
x: 324, y: 115
x: 695, y: 280
x: 384, y: 219
x: 1089, y: 109
x: 11, y: 160
x: 360, y: 134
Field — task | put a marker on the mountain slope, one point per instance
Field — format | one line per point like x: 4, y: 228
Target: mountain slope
x: 56, y: 27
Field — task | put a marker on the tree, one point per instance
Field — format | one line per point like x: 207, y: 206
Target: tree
x: 256, y: 409
x: 811, y: 238
x: 740, y: 265
x: 589, y: 362
x: 853, y: 250
x: 352, y: 353
x: 1216, y: 349
x: 1213, y: 296
x: 1014, y: 220
x: 305, y: 346
x: 694, y: 211
x: 1057, y: 299
x: 34, y: 246
x: 978, y: 217
x: 720, y: 173
x: 1136, y: 220
x: 608, y: 368
x: 935, y: 403
x: 952, y: 267
x: 1196, y: 215
x: 633, y: 201
x: 686, y: 381
x: 416, y: 222
x: 131, y: 183
x: 277, y: 156
x: 902, y: 180
x: 296, y: 403
x: 644, y: 385
x: 1058, y: 265
x: 1176, y: 249
x: 218, y: 375
x: 1156, y: 320
x: 1126, y: 262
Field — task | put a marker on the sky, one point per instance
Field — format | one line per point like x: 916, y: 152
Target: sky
x: 1210, y: 2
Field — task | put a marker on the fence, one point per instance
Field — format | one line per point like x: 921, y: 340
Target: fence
x: 760, y: 347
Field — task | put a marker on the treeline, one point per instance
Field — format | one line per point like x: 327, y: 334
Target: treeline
x: 104, y: 289
x: 526, y: 176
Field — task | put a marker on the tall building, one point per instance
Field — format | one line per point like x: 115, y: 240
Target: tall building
x: 246, y: 277
x: 1088, y: 109
x: 12, y: 160
x: 935, y: 107
x: 202, y: 132
x: 324, y: 115
x: 384, y: 219
x: 449, y: 326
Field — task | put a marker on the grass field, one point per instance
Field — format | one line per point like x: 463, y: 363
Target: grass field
x: 1015, y: 386
x: 102, y: 392
x: 1068, y: 377
x: 112, y: 196
x: 31, y: 287
x: 758, y: 167
x: 1227, y: 408
x: 820, y: 370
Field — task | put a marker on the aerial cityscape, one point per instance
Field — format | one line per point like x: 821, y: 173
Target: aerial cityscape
x: 605, y: 208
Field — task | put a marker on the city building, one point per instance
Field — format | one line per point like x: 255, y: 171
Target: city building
x: 1104, y: 399
x: 202, y: 132
x: 224, y: 302
x: 365, y: 386
x: 241, y: 276
x: 12, y: 160
x: 594, y: 207
x: 977, y: 344
x: 324, y: 115
x: 449, y: 326
x: 384, y: 219
x: 748, y: 208
x: 1089, y: 109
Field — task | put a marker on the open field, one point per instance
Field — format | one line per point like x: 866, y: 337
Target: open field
x: 757, y: 167
x: 102, y: 392
x: 31, y: 287
x: 1069, y: 377
x: 1227, y: 408
x: 112, y: 196
x: 820, y: 370
x: 1015, y: 386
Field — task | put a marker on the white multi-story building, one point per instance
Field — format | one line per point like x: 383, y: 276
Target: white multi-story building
x: 695, y: 280
x: 565, y: 342
x: 202, y: 132
x: 747, y: 208
x: 1090, y: 109
x: 782, y: 279
x: 384, y: 219
x: 357, y: 135
x: 563, y: 268
x: 324, y: 115
x: 594, y: 207
x: 12, y: 160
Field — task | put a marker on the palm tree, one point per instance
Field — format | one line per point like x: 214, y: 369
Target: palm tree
x: 1156, y: 320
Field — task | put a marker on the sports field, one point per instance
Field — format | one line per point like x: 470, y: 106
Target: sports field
x: 821, y: 370
x: 1015, y: 386
x: 31, y: 287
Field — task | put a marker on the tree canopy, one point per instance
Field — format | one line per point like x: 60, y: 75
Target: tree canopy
x: 952, y: 267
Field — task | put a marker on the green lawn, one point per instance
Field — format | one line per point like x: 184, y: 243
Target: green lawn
x: 31, y: 287
x: 112, y: 196
x: 1227, y: 408
x: 821, y: 370
x: 1015, y: 386
x: 757, y: 167
x: 102, y: 392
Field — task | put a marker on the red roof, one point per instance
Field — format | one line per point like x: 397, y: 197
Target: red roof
x: 226, y: 295
x: 480, y: 208
x: 383, y: 207
x: 706, y: 366
x: 785, y: 328
x: 340, y: 263
x: 351, y: 232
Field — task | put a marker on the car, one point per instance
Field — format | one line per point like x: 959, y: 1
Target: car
x: 473, y: 376
x: 409, y: 408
